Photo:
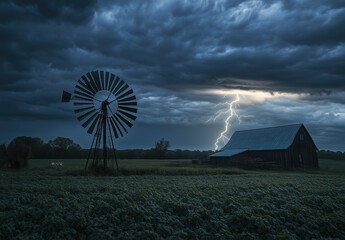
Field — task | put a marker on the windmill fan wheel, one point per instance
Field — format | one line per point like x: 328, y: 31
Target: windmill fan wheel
x: 97, y: 92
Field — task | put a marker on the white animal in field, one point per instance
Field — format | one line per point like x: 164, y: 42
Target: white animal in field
x: 56, y: 165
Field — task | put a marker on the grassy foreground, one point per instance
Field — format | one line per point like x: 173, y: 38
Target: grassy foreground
x: 258, y: 205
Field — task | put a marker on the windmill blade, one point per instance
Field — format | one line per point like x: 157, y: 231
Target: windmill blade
x: 127, y: 99
x: 87, y: 82
x: 111, y: 81
x: 127, y: 104
x: 102, y: 80
x: 92, y: 85
x: 83, y: 86
x: 128, y: 123
x: 118, y: 86
x: 129, y: 92
x: 88, y: 121
x: 113, y: 119
x: 82, y: 98
x: 66, y: 96
x: 96, y: 79
x: 120, y: 123
x: 122, y: 89
x: 82, y: 103
x: 133, y: 110
x: 113, y: 127
x: 92, y: 81
x: 84, y: 90
x: 86, y: 86
x: 94, y: 123
x: 84, y: 95
x: 117, y: 126
x: 114, y: 83
x: 83, y: 109
x: 107, y: 80
x: 86, y: 114
x: 127, y: 115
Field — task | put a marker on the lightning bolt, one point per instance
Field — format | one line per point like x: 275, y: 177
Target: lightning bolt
x: 231, y: 113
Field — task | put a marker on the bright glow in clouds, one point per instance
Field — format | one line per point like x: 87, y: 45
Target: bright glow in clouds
x: 254, y: 97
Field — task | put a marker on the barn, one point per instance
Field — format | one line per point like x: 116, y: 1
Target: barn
x: 287, y: 147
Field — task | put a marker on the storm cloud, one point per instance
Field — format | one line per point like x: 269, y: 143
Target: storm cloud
x: 176, y: 55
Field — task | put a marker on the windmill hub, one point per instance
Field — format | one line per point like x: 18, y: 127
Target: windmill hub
x: 103, y: 95
x: 105, y: 104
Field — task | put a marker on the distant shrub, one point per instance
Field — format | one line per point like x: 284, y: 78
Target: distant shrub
x: 3, y: 155
x: 17, y: 155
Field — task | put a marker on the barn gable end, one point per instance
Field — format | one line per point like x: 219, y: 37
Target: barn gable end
x: 288, y: 147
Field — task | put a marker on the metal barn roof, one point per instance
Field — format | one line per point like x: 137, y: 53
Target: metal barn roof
x: 272, y: 138
x: 228, y: 153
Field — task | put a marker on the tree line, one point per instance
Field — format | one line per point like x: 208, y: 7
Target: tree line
x: 19, y: 150
x: 327, y: 154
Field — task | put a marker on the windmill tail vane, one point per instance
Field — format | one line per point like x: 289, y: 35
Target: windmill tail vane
x: 106, y: 107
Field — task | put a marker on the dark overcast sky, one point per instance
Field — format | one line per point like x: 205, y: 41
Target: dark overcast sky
x: 285, y: 59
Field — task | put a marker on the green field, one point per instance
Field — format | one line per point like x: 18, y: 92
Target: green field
x: 74, y: 164
x: 135, y: 167
x: 172, y: 167
x: 42, y: 203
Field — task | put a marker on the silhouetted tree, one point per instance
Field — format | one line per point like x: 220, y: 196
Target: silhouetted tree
x: 327, y: 154
x: 46, y: 151
x: 64, y: 148
x: 36, y: 144
x: 3, y: 155
x: 161, y: 148
x: 61, y: 143
x: 18, y: 153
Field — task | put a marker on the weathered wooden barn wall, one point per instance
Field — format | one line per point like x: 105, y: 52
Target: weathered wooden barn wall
x: 267, y: 158
x: 302, y: 152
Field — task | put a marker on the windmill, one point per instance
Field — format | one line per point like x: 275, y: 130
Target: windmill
x: 106, y: 106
